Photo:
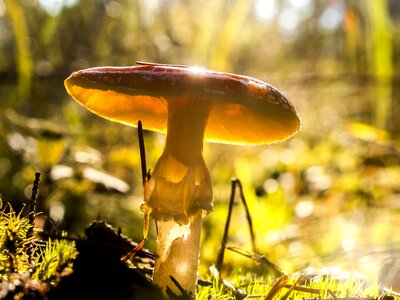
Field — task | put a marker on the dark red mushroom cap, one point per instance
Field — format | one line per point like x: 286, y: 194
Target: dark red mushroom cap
x: 244, y: 110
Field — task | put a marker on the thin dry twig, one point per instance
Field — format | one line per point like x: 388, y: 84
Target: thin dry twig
x: 221, y: 252
x: 394, y: 293
x: 32, y: 202
x: 32, y: 214
x: 295, y: 287
x: 248, y: 216
x: 258, y: 258
x: 184, y: 295
x: 332, y: 294
x: 279, y: 284
x: 145, y: 180
x: 383, y: 295
x: 145, y: 174
x: 359, y: 288
x: 235, y: 182
x: 290, y: 290
x: 304, y: 289
x: 238, y: 293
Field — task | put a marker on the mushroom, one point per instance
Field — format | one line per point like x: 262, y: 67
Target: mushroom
x: 190, y: 105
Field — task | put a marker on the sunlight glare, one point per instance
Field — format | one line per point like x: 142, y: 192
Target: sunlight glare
x: 265, y: 10
x: 332, y: 17
x: 114, y: 9
x: 57, y: 211
x: 197, y: 70
x: 271, y: 185
x: 61, y: 172
x: 289, y: 19
x: 182, y: 268
x: 304, y: 208
x: 268, y: 158
x: 54, y: 7
x: 305, y: 8
x: 148, y: 10
x: 300, y: 3
x: 287, y: 157
x: 287, y: 180
x: 348, y: 244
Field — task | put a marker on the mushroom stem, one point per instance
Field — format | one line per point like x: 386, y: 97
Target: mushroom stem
x: 178, y: 194
x: 178, y: 252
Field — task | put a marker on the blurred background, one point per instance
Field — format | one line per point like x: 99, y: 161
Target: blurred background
x: 327, y: 198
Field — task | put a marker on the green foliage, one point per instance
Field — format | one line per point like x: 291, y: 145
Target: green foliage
x: 21, y: 254
x: 14, y: 241
x: 54, y: 261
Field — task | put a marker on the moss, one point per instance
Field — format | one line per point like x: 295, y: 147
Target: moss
x: 29, y: 268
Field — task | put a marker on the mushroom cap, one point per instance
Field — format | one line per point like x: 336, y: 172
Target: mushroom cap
x: 244, y: 110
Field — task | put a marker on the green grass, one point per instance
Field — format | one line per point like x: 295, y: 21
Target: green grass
x: 21, y: 254
x: 297, y: 286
